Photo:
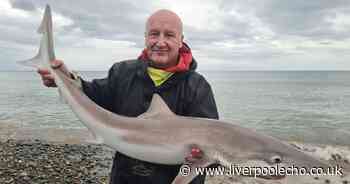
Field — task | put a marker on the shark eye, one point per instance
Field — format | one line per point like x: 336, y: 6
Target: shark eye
x: 276, y: 159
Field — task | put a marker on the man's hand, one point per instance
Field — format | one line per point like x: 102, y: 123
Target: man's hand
x: 46, y: 76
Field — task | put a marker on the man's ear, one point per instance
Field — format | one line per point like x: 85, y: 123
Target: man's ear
x: 182, y: 40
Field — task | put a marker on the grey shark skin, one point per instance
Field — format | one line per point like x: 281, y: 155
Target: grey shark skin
x: 160, y: 136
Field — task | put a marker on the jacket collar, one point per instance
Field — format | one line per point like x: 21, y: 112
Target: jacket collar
x: 183, y: 64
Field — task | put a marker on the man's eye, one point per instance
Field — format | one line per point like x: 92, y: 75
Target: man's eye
x: 170, y: 35
x: 153, y: 34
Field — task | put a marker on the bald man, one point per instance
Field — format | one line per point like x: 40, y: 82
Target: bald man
x: 166, y: 66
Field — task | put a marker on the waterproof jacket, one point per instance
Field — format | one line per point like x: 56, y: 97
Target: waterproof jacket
x: 128, y: 91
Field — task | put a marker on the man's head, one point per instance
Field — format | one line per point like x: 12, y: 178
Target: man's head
x: 163, y: 38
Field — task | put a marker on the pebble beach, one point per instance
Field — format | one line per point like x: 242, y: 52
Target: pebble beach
x: 36, y: 161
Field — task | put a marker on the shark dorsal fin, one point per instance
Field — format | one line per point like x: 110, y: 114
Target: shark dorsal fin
x: 158, y: 108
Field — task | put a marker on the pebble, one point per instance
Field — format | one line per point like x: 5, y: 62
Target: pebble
x: 35, y: 161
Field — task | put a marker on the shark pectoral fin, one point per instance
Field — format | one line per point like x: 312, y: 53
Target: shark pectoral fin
x: 158, y: 108
x: 189, y: 171
x: 194, y: 159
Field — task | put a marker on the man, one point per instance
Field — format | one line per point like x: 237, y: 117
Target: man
x: 166, y: 67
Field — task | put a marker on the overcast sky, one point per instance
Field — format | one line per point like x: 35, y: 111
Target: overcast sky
x: 223, y: 34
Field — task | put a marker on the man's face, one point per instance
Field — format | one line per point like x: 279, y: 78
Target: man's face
x: 163, y: 40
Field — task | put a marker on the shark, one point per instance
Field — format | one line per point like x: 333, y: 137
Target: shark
x: 160, y: 136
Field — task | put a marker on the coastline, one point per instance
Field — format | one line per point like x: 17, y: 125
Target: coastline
x: 68, y: 156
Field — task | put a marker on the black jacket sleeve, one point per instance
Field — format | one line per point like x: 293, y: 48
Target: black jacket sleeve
x: 203, y: 104
x: 101, y: 91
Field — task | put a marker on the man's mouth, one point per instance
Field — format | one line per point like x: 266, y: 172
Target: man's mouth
x: 160, y: 51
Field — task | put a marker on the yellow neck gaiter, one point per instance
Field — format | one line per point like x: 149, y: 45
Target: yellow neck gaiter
x: 158, y: 76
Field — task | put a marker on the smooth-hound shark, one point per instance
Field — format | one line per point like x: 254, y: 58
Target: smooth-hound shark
x: 160, y: 136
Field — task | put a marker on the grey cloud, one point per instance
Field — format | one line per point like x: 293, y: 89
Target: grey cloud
x: 112, y: 20
x: 24, y: 5
x: 308, y: 19
x: 18, y: 30
x: 234, y: 29
x: 124, y: 20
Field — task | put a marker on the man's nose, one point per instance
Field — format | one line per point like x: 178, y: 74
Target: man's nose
x: 161, y: 41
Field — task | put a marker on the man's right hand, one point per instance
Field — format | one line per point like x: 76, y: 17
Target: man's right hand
x: 46, y: 76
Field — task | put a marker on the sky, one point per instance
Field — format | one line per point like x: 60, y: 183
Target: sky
x: 223, y: 34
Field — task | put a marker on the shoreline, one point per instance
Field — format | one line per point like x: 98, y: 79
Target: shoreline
x: 15, y: 131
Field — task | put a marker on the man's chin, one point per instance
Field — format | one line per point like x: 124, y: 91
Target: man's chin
x: 159, y: 63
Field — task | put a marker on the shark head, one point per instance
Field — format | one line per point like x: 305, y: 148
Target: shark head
x: 263, y: 156
x: 293, y: 159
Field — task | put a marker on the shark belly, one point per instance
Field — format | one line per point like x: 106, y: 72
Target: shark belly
x: 161, y: 154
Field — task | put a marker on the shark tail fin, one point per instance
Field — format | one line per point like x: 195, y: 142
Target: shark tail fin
x: 46, y: 49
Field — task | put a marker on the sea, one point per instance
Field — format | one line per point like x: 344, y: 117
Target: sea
x: 303, y: 106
